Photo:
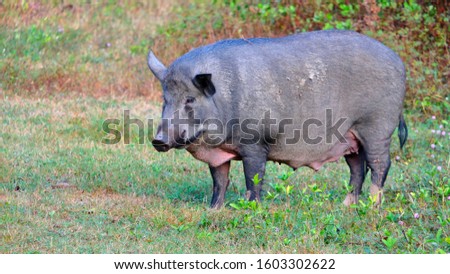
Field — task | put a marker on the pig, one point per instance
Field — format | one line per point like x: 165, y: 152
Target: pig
x: 301, y: 100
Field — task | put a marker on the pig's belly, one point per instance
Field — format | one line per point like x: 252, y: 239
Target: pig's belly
x: 314, y: 156
x: 214, y: 156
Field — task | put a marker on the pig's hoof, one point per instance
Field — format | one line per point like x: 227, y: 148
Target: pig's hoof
x: 350, y: 200
x: 216, y: 206
x: 376, y: 193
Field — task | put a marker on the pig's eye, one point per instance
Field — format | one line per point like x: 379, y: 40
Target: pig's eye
x: 190, y: 100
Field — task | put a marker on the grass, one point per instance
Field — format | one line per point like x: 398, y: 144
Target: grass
x: 66, y: 67
x: 63, y: 191
x: 95, y: 49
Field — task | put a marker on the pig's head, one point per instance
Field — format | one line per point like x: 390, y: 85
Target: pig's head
x: 187, y: 104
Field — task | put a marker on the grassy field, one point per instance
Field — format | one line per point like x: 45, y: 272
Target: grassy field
x: 63, y: 191
x: 66, y: 68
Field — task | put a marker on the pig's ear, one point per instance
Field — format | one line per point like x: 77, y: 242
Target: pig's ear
x: 156, y: 66
x: 203, y: 83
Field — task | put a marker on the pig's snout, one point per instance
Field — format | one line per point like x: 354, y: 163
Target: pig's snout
x: 160, y: 143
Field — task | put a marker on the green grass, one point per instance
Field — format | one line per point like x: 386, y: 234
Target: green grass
x: 63, y: 191
x: 95, y: 49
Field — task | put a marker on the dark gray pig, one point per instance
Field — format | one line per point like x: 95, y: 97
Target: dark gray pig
x: 301, y: 100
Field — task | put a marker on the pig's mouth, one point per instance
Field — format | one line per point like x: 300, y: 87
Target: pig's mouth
x: 160, y: 146
x: 182, y: 142
x: 185, y: 142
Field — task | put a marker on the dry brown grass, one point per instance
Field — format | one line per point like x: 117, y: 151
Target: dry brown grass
x: 107, y: 32
x: 100, y: 49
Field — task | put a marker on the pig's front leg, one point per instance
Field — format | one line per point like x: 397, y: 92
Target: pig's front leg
x: 220, y: 184
x: 254, y: 160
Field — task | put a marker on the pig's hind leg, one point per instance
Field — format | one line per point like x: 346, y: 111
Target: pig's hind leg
x: 378, y: 160
x: 358, y: 171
